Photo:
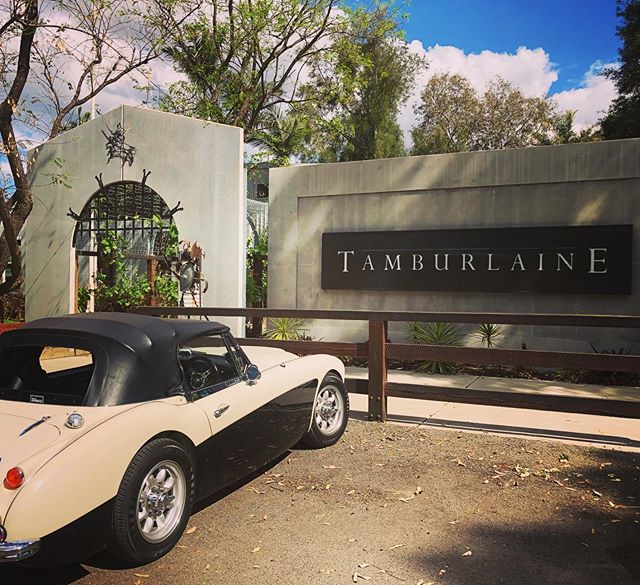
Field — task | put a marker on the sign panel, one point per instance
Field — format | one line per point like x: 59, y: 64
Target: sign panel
x: 571, y: 260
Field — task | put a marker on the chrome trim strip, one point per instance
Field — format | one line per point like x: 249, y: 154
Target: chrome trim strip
x: 34, y: 425
x: 18, y: 550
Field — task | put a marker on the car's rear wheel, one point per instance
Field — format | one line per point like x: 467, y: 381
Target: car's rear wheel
x: 330, y: 414
x: 154, y: 502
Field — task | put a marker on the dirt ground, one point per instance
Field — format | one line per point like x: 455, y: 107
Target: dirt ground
x: 394, y: 504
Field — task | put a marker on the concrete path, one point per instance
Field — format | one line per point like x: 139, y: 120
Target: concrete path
x: 603, y: 431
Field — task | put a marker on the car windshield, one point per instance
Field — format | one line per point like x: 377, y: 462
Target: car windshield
x: 45, y: 374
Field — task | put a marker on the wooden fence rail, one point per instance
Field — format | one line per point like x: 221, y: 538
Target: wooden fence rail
x: 378, y: 350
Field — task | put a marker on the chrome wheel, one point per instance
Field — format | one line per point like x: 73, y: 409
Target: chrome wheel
x: 329, y: 410
x: 161, y: 501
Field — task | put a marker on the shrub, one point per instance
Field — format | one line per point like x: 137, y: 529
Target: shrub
x: 436, y: 334
x: 285, y: 328
x: 488, y: 334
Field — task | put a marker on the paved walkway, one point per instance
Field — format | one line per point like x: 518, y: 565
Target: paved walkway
x: 603, y: 431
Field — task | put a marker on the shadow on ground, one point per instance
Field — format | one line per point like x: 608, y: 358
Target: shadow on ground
x: 595, y: 537
x: 67, y: 574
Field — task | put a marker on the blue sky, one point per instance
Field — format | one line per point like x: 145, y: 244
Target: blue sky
x: 574, y: 33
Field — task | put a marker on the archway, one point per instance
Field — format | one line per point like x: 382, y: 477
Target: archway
x: 136, y: 216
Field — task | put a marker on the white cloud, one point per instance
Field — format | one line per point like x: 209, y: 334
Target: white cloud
x: 530, y: 69
x: 592, y: 100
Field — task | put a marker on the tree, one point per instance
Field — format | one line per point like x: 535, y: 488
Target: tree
x: 449, y: 112
x: 453, y: 117
x: 623, y: 118
x: 357, y: 87
x: 55, y: 58
x: 243, y: 58
x: 280, y: 136
x: 566, y: 134
x: 509, y: 119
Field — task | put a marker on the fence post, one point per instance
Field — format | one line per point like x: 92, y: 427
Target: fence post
x: 377, y: 370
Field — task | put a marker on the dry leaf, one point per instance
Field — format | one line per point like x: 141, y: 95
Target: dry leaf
x: 329, y: 467
x: 396, y: 546
x: 141, y: 575
x: 363, y: 565
x: 255, y: 550
x: 407, y: 499
x: 191, y: 530
x: 467, y: 554
x: 351, y: 492
x: 207, y: 567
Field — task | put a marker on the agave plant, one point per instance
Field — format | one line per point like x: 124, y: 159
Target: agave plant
x: 488, y: 334
x: 436, y: 334
x: 285, y: 328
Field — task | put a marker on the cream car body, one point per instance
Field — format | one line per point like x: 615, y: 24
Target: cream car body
x: 64, y: 509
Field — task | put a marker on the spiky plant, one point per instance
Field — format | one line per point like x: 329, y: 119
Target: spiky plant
x: 436, y: 333
x: 488, y: 334
x: 285, y: 328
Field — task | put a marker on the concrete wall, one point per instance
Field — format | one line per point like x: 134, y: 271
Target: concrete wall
x: 581, y: 184
x: 195, y: 162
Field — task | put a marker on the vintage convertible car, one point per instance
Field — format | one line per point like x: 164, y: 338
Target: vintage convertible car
x: 112, y: 446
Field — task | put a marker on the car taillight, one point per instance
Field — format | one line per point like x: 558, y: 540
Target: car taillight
x: 14, y: 478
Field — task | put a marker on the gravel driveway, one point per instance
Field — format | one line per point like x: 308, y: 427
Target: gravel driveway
x: 394, y: 504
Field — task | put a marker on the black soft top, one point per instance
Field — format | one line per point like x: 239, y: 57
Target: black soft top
x: 135, y: 356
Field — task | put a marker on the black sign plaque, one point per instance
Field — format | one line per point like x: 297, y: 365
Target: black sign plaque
x: 571, y: 260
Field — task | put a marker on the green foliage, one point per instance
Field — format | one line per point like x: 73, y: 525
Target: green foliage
x: 357, y: 86
x: 453, y: 117
x: 257, y: 264
x: 117, y: 289
x: 436, y: 334
x: 488, y: 334
x: 123, y: 295
x: 565, y: 134
x: 73, y: 122
x: 84, y: 296
x: 285, y: 329
x: 242, y: 58
x: 623, y: 118
x: 280, y: 136
x: 172, y: 248
x: 167, y: 290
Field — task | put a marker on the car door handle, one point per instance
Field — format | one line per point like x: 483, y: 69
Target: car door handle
x: 218, y: 412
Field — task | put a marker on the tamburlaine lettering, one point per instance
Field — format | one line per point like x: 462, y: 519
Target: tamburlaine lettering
x: 571, y: 259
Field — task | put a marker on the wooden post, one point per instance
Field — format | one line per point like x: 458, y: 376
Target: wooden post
x: 152, y: 271
x: 377, y: 370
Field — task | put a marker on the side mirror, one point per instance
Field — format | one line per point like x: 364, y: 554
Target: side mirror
x: 252, y: 374
x: 184, y: 353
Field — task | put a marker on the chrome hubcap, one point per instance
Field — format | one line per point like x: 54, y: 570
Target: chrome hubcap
x: 329, y: 410
x: 161, y: 501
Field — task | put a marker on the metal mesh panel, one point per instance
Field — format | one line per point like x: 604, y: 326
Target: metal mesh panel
x: 127, y: 208
x: 258, y: 212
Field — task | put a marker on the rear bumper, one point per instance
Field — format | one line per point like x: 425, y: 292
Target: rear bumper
x: 18, y: 550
